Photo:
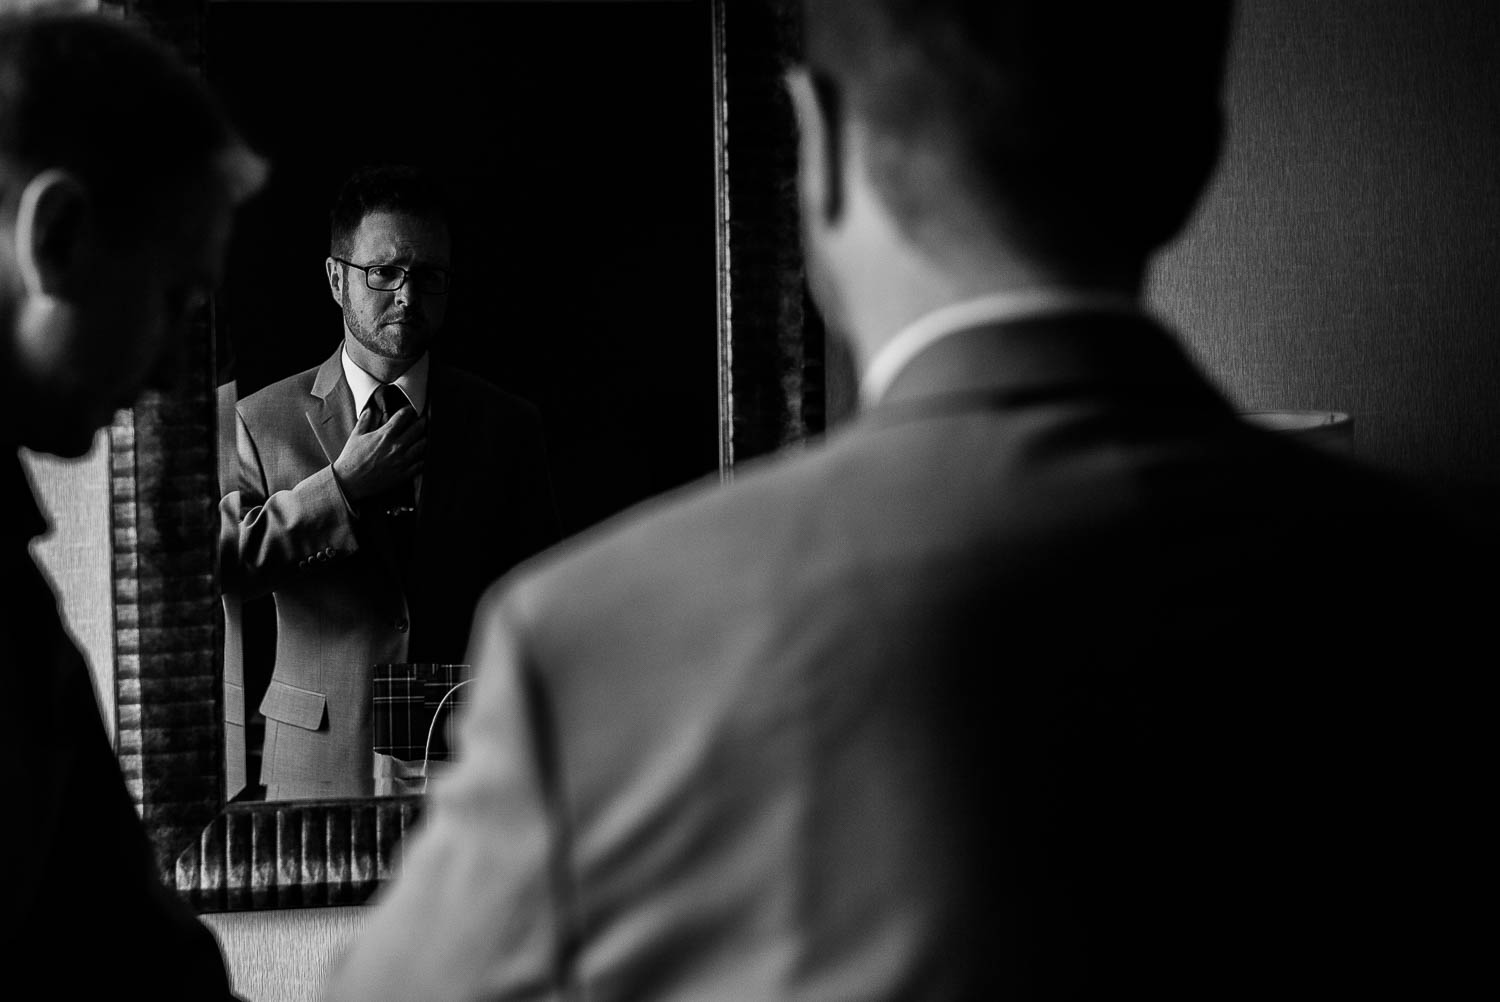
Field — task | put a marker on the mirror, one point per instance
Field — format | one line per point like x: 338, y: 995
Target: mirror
x: 574, y: 145
x: 627, y: 261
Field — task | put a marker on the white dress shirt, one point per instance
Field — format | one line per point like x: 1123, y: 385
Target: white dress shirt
x: 413, y: 382
x: 996, y: 307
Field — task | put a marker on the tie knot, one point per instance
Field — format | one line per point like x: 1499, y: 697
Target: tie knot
x: 388, y: 399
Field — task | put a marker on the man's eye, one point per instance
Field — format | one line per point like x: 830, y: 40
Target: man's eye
x: 385, y: 273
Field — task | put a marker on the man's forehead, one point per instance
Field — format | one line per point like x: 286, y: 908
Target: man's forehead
x: 401, y: 232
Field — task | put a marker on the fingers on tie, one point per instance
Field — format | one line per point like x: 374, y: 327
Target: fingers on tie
x: 404, y: 421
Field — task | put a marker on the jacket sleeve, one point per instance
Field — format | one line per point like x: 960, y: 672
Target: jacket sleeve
x: 267, y: 538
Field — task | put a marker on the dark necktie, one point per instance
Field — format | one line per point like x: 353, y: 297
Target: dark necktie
x: 398, y: 502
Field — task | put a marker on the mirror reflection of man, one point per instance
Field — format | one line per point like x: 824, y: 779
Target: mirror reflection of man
x: 104, y: 259
x: 379, y: 493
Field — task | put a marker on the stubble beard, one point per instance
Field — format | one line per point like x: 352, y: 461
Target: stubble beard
x: 385, y: 342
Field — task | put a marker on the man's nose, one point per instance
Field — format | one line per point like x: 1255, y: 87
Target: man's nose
x: 408, y: 294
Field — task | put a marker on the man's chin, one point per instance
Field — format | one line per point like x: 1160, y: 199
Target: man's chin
x: 407, y: 348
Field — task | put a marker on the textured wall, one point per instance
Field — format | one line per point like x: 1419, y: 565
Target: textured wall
x: 75, y: 555
x: 1347, y: 255
x: 284, y: 956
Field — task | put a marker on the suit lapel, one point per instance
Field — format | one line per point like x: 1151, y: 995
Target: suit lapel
x: 331, y: 412
x: 331, y: 416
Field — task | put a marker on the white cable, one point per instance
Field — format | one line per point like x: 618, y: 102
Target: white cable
x: 432, y: 729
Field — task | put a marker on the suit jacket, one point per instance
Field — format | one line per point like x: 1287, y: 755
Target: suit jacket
x: 1046, y: 678
x: 82, y: 872
x: 344, y: 601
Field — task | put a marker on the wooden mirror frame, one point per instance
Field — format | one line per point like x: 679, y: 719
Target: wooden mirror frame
x: 164, y: 516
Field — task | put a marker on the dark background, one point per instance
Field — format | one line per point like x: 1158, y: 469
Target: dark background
x: 576, y: 141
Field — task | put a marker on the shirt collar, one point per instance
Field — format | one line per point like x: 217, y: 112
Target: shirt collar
x: 993, y: 308
x: 413, y: 382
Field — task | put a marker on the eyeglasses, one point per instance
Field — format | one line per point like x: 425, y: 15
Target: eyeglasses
x: 390, y: 277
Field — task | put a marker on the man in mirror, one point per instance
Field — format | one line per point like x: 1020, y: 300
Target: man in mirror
x: 105, y: 259
x: 379, y: 492
x: 999, y: 692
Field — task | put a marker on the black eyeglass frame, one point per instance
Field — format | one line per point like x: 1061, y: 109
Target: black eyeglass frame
x: 440, y: 273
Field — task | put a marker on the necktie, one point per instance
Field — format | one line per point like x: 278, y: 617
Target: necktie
x: 397, y: 503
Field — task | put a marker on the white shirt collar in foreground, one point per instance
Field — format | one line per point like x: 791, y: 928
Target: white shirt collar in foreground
x: 413, y: 382
x: 997, y: 307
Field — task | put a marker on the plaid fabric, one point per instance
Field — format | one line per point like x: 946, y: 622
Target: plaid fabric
x: 414, y: 709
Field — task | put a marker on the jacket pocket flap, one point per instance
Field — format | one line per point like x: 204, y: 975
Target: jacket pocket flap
x: 291, y: 705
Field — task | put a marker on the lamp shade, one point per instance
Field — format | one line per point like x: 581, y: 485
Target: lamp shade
x: 1333, y: 429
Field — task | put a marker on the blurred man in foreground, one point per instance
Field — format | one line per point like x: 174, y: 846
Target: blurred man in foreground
x: 1000, y: 692
x: 103, y: 256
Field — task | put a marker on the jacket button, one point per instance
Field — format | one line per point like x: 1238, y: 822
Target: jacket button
x: 330, y: 552
x: 402, y: 625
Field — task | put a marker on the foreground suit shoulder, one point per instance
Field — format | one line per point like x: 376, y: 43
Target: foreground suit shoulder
x: 946, y: 679
x: 974, y: 699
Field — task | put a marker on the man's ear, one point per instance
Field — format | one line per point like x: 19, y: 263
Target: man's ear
x: 54, y: 226
x: 335, y: 280
x: 820, y: 146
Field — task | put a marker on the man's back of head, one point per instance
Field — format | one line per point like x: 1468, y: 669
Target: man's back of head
x: 1083, y: 131
x: 118, y: 170
x: 113, y: 107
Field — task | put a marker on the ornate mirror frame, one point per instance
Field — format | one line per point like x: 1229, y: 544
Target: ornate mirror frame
x: 164, y: 518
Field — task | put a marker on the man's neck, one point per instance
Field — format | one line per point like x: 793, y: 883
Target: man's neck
x: 898, y: 290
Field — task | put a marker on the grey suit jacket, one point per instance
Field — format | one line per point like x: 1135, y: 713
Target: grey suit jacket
x: 1047, y: 678
x: 343, y: 603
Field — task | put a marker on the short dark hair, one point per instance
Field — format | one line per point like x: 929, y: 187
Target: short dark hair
x: 106, y: 102
x: 1086, y: 127
x: 383, y: 188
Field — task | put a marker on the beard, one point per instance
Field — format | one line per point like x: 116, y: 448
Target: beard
x: 377, y: 337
